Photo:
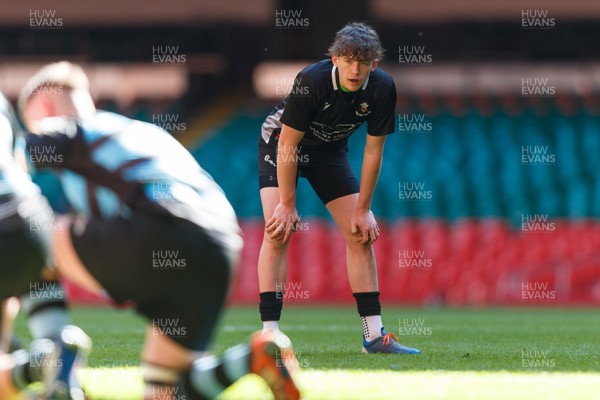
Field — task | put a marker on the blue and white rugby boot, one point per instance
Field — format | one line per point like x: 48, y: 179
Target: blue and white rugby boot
x: 387, y: 343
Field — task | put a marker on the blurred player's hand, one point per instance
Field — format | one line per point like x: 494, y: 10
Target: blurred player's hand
x: 283, y: 223
x: 364, y: 227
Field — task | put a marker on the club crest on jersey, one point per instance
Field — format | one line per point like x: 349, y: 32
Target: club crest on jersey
x: 364, y: 110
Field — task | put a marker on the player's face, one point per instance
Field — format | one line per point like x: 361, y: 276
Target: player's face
x: 35, y: 109
x: 50, y: 104
x: 353, y: 73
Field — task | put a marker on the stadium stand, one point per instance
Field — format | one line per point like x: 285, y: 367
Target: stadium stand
x: 491, y: 215
x: 464, y: 241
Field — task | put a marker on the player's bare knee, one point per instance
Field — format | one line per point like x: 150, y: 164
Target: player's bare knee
x: 274, y: 244
x: 354, y: 243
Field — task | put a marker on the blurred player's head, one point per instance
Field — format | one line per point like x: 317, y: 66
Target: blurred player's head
x: 59, y: 89
x: 356, y: 51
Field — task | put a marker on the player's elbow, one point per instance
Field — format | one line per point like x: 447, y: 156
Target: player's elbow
x: 289, y: 136
x: 373, y: 152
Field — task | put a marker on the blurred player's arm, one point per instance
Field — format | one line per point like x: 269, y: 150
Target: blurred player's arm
x: 363, y: 221
x: 285, y: 217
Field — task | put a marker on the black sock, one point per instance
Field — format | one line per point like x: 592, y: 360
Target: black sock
x: 369, y: 309
x: 368, y: 303
x: 270, y: 306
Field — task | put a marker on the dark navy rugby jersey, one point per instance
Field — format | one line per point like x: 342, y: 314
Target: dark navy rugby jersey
x: 111, y: 165
x: 317, y: 106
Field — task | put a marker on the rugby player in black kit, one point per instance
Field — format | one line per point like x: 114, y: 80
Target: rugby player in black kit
x: 306, y: 135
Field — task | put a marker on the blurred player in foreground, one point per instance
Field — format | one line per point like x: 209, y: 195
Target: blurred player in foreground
x: 307, y: 135
x: 26, y: 221
x: 153, y: 228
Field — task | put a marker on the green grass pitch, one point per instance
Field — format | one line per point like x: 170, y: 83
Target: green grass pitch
x: 522, y: 353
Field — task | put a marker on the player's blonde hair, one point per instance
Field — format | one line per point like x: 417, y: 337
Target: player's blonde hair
x: 62, y: 74
x: 357, y: 41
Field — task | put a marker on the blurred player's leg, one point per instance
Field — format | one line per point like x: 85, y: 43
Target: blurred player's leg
x: 7, y: 388
x: 271, y: 267
x: 191, y: 297
x: 362, y: 274
x: 269, y: 355
x: 171, y: 369
x: 8, y: 313
x: 44, y: 362
x: 24, y: 244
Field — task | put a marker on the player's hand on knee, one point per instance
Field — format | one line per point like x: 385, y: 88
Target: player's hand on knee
x: 364, y: 227
x: 283, y: 223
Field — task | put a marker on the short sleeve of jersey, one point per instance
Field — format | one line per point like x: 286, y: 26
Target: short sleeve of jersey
x: 301, y: 104
x: 383, y: 121
x: 54, y: 146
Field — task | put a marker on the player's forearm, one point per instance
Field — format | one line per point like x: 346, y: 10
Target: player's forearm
x: 287, y: 168
x: 287, y: 164
x: 368, y: 180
